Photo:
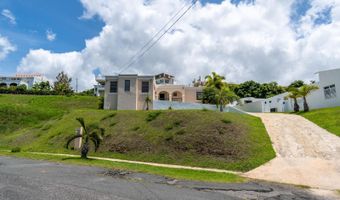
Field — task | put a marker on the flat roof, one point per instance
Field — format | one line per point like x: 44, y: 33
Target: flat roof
x: 335, y: 69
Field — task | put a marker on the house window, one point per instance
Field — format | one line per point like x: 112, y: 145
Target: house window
x: 113, y: 87
x: 330, y: 92
x: 127, y: 86
x: 199, y: 95
x: 145, y: 87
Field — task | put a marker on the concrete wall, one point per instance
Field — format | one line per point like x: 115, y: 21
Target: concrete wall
x: 127, y: 100
x: 110, y: 99
x: 188, y: 93
x: 141, y: 105
x: 326, y: 78
x: 164, y: 105
x: 252, y: 107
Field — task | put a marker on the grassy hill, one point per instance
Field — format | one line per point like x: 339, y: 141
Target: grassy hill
x: 327, y: 118
x: 187, y: 137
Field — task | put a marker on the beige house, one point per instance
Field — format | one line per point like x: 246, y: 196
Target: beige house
x: 129, y: 91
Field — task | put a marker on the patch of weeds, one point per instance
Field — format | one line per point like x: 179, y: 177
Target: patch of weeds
x: 178, y: 123
x: 303, y: 186
x: 152, y: 115
x: 46, y: 127
x: 205, y: 110
x: 180, y: 132
x: 108, y: 116
x: 16, y: 150
x: 226, y: 121
x: 38, y: 135
x: 113, y: 124
x: 135, y: 128
x: 169, y: 127
x: 169, y: 138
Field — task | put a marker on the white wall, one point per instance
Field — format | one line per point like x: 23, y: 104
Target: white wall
x: 317, y: 99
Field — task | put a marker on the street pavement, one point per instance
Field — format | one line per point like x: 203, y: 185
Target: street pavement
x: 22, y: 179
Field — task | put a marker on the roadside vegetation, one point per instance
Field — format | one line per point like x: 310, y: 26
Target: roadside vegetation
x: 188, y: 137
x: 327, y: 118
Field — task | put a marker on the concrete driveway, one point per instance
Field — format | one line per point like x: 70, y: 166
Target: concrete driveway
x: 22, y: 179
x: 306, y: 154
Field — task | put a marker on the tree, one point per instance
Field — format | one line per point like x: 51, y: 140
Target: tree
x: 147, y: 102
x: 304, y: 91
x: 62, y: 86
x: 225, y: 96
x: 248, y: 89
x: 90, y: 133
x: 217, y: 91
x: 294, y: 94
x: 296, y: 84
x: 215, y: 81
x: 42, y: 86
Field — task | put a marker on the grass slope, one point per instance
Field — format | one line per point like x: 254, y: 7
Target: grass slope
x: 327, y: 118
x: 194, y: 138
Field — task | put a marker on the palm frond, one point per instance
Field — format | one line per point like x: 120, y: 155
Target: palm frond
x: 71, y: 139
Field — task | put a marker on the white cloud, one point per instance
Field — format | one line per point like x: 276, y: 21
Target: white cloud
x: 50, y: 36
x: 9, y: 15
x: 5, y: 47
x: 245, y: 42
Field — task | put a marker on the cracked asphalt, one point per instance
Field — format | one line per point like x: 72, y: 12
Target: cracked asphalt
x: 22, y: 179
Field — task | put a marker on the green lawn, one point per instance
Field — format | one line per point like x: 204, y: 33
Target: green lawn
x: 327, y: 118
x: 188, y: 137
x: 181, y: 174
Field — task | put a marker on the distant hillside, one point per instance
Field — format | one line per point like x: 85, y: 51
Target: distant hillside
x: 187, y: 137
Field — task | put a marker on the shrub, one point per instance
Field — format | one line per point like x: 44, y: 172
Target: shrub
x: 15, y: 150
x: 180, y: 132
x: 108, y: 116
x: 169, y: 127
x: 152, y: 115
x: 205, y: 109
x: 136, y: 128
x: 178, y: 123
x: 101, y: 103
x: 226, y: 121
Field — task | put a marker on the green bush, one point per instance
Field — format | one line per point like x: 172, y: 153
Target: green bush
x: 15, y: 150
x: 101, y: 103
x: 152, y: 115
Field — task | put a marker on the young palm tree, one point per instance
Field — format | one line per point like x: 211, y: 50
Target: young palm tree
x: 294, y: 94
x: 90, y: 133
x: 304, y: 91
x: 215, y: 81
x: 225, y: 96
x: 147, y: 101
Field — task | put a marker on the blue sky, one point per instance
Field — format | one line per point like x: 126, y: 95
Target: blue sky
x: 35, y: 17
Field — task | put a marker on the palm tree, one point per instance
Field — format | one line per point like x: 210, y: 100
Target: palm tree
x: 304, y: 91
x: 225, y: 96
x: 294, y: 94
x: 90, y: 133
x: 215, y: 81
x: 147, y: 101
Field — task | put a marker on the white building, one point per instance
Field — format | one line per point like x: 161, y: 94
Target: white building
x: 328, y: 95
x: 21, y: 79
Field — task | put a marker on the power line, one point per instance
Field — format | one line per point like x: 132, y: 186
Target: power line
x: 154, y: 36
x: 143, y: 52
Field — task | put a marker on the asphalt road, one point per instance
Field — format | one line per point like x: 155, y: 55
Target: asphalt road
x: 22, y: 179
